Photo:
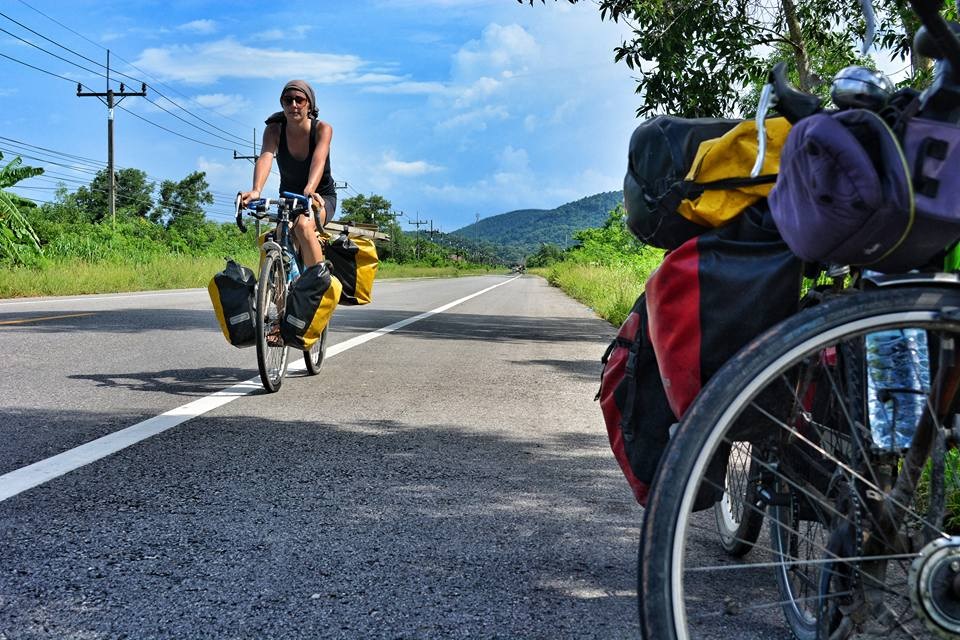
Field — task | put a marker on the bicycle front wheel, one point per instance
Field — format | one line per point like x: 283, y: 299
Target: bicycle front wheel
x: 846, y: 553
x: 271, y: 299
x: 314, y: 355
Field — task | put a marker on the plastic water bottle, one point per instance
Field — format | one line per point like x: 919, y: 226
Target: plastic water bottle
x: 294, y: 269
x: 290, y: 257
x: 898, y: 383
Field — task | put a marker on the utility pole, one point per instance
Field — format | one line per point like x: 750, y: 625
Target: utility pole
x: 254, y: 156
x: 476, y: 228
x: 110, y: 96
x: 417, y: 223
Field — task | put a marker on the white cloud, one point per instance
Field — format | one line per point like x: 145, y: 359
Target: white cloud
x: 227, y: 58
x: 500, y: 49
x: 224, y: 104
x: 408, y: 168
x: 420, y: 4
x: 563, y: 112
x: 475, y: 120
x: 235, y: 173
x: 368, y: 78
x: 199, y: 26
x: 296, y: 32
x: 514, y: 160
x: 408, y: 87
x: 481, y: 89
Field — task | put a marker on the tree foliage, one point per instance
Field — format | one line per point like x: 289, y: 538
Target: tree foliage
x: 545, y: 256
x: 18, y: 240
x: 133, y: 195
x: 372, y: 209
x: 181, y: 203
x: 698, y: 57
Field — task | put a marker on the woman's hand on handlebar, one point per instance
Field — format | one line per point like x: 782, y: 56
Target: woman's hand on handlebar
x: 318, y: 206
x: 247, y: 196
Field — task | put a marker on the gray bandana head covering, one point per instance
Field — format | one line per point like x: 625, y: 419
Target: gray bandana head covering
x: 303, y: 87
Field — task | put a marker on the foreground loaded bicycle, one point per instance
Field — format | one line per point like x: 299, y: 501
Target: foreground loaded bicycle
x: 279, y: 266
x: 850, y: 412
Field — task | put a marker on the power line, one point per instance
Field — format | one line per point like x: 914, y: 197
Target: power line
x: 60, y: 24
x: 220, y: 198
x: 107, y: 76
x: 214, y: 146
x: 50, y: 53
x: 106, y: 67
x: 99, y: 165
x: 49, y: 73
x: 23, y: 26
x: 127, y: 110
x: 187, y: 122
x: 226, y: 213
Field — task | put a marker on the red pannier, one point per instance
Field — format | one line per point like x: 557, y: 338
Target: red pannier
x: 714, y: 294
x: 633, y: 402
x: 709, y: 297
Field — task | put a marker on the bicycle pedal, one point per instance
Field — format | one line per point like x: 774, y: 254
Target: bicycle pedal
x: 274, y: 339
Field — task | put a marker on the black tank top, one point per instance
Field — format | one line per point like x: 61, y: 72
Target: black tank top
x: 294, y: 173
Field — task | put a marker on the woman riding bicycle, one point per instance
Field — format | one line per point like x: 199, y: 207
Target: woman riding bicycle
x: 301, y: 144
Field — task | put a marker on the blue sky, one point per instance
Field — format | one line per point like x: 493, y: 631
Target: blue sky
x: 448, y: 108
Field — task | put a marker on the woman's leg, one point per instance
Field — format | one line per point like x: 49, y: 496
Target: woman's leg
x: 305, y: 233
x: 329, y: 209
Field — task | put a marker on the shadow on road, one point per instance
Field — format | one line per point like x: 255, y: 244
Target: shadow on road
x: 120, y: 321
x: 244, y: 527
x: 454, y: 325
x: 178, y: 382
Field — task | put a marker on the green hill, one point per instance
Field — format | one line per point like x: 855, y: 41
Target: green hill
x: 519, y: 233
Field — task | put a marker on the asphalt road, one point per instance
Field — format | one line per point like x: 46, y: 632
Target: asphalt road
x: 449, y: 479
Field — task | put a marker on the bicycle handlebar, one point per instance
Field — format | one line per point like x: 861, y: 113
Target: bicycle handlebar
x: 304, y: 200
x: 260, y: 206
x: 936, y: 38
x: 238, y: 205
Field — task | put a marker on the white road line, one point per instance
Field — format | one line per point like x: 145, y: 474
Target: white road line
x: 25, y: 478
x: 102, y: 296
x: 10, y: 302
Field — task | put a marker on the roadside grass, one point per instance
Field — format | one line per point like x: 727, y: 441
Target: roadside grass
x: 77, y: 276
x: 389, y: 269
x: 951, y: 487
x: 168, y: 271
x: 609, y: 290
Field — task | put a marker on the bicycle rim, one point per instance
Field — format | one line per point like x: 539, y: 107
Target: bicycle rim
x: 738, y: 523
x: 823, y: 479
x: 315, y: 355
x: 271, y: 298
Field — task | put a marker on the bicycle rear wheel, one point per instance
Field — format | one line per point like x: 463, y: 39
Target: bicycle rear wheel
x: 271, y: 299
x: 738, y: 518
x: 829, y: 561
x: 314, y: 355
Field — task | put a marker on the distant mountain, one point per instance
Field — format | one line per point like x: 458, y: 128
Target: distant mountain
x: 521, y: 232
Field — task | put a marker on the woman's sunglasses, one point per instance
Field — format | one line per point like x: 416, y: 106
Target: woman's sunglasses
x: 289, y: 100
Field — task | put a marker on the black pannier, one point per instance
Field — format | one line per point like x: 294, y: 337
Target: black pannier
x: 355, y: 264
x: 661, y: 153
x: 231, y: 292
x: 310, y: 303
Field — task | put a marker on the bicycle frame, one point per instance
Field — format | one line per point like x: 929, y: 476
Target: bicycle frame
x: 277, y: 252
x: 281, y: 243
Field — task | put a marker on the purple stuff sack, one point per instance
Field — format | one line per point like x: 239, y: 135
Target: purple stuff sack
x: 850, y: 193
